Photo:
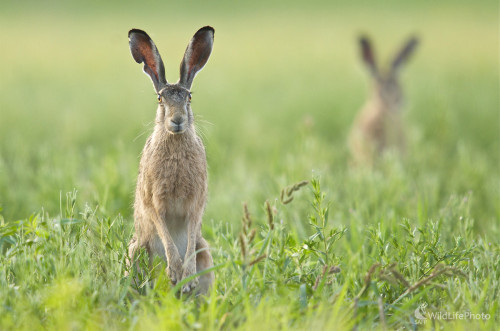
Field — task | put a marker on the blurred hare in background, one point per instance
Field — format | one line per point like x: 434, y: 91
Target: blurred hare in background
x: 378, y: 126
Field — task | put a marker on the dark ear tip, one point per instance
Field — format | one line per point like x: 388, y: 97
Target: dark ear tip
x: 364, y: 40
x: 207, y: 28
x: 137, y: 31
x: 413, y: 42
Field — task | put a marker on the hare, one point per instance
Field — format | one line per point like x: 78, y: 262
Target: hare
x: 378, y: 125
x: 171, y: 187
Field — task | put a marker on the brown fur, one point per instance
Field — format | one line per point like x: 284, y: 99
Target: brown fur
x: 377, y: 127
x: 171, y: 189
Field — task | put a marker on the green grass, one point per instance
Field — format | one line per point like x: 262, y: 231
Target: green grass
x: 275, y: 103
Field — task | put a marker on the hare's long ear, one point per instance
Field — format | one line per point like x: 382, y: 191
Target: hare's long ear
x: 404, y: 54
x: 196, y: 55
x: 144, y: 50
x: 367, y: 54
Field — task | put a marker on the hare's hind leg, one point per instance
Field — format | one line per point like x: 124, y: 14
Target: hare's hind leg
x: 204, y: 261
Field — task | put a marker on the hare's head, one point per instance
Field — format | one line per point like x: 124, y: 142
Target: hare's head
x: 174, y: 99
x: 386, y: 83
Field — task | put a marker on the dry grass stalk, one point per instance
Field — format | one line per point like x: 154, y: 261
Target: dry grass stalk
x: 243, y: 246
x: 287, y: 193
x: 257, y: 260
x: 270, y: 218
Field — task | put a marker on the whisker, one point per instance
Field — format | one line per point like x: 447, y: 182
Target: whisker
x: 148, y: 128
x: 201, y: 128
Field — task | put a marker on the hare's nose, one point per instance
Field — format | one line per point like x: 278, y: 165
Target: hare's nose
x: 177, y: 120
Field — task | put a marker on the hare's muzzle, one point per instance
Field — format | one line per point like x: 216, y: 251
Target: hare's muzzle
x: 176, y: 125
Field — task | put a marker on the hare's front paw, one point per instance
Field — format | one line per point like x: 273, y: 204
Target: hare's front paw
x: 174, y: 271
x: 193, y: 283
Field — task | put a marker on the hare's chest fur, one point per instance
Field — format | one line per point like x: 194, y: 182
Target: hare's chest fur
x: 175, y: 175
x: 182, y: 174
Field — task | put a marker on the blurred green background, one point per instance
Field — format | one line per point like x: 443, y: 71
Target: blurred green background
x: 275, y: 102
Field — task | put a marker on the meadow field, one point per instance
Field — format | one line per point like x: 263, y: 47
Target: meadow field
x: 393, y: 246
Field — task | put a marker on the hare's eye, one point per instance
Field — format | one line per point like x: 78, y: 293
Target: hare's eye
x: 189, y: 97
x: 159, y: 98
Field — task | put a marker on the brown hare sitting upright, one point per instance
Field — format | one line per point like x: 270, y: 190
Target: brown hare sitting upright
x: 378, y: 126
x: 172, y: 183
